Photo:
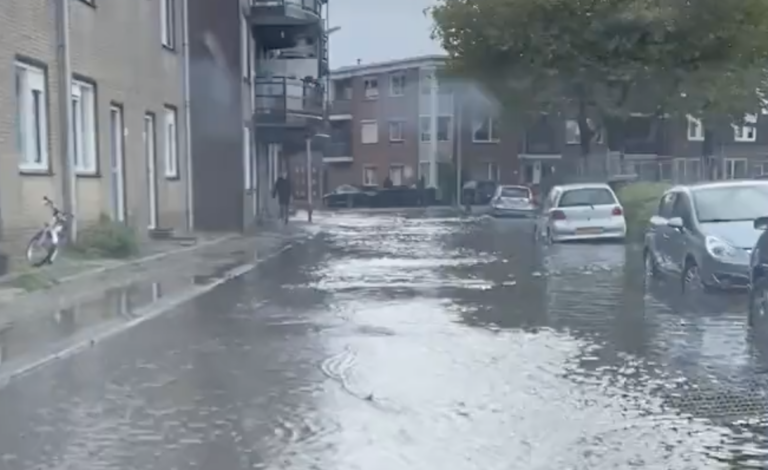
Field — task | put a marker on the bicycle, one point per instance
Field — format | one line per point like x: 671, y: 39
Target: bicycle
x: 49, y: 238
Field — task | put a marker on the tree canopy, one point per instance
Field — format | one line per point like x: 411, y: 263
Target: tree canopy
x: 604, y: 59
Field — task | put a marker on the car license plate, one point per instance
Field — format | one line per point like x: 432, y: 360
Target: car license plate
x: 588, y: 230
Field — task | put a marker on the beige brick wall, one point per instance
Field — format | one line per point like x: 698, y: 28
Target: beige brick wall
x: 117, y: 45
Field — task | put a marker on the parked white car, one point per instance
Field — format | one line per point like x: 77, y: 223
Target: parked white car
x: 581, y: 212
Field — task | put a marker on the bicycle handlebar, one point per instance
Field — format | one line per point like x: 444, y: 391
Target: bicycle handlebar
x: 56, y: 211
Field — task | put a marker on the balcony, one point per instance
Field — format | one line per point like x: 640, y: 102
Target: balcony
x: 287, y: 103
x: 337, y: 152
x: 286, y: 12
x: 540, y: 147
x: 340, y: 109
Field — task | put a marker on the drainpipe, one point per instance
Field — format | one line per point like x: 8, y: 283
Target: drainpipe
x: 189, y: 189
x: 67, y: 148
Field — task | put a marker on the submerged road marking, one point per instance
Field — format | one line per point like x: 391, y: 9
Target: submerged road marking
x: 92, y: 336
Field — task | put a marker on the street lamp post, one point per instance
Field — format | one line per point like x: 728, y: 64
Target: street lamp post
x: 308, y: 150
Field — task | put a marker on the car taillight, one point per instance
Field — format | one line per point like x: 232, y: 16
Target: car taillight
x: 557, y: 215
x: 617, y: 211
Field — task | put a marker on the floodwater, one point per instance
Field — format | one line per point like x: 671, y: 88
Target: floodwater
x: 391, y: 342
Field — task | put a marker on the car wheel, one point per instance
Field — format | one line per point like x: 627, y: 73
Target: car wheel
x: 758, y: 301
x: 651, y: 270
x: 691, y: 278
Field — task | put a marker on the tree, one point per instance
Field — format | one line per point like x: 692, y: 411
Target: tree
x: 602, y: 60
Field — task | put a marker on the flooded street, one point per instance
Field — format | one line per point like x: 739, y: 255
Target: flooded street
x: 389, y: 342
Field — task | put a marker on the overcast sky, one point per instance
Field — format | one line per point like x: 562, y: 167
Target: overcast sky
x: 378, y: 30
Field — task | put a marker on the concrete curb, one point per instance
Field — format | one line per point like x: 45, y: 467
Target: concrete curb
x: 89, y: 338
x: 8, y: 278
x: 147, y: 259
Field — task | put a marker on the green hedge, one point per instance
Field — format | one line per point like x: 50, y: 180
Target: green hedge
x: 106, y: 239
x: 640, y: 201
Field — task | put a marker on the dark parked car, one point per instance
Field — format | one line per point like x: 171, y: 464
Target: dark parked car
x: 478, y: 192
x: 347, y: 195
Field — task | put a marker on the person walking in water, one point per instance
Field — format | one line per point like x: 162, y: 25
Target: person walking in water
x: 282, y: 190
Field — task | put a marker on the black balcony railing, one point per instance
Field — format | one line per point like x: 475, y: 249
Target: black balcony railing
x: 287, y: 6
x: 338, y: 149
x: 280, y: 99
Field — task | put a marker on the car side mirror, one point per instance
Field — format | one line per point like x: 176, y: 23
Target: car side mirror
x: 761, y: 223
x: 676, y: 223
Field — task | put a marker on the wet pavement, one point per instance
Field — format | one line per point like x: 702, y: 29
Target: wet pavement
x: 398, y: 342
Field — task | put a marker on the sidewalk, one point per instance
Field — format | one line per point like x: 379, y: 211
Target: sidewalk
x: 70, y: 280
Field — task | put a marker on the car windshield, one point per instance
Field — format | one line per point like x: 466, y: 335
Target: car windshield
x: 513, y: 192
x: 731, y: 203
x: 587, y: 197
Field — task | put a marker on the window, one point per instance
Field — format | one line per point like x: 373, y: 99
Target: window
x: 735, y: 168
x: 573, y: 132
x: 397, y: 174
x: 369, y: 132
x: 425, y: 129
x: 493, y: 173
x: 484, y: 130
x: 396, y: 133
x: 168, y: 23
x: 247, y: 163
x: 371, y: 86
x: 31, y: 118
x: 171, y: 144
x: 747, y: 132
x: 444, y: 128
x: 735, y: 202
x: 666, y: 204
x: 587, y: 197
x: 84, y: 127
x: 397, y: 85
x: 369, y: 176
x: 695, y: 129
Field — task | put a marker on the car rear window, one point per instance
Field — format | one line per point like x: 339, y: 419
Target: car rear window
x: 515, y: 192
x: 586, y: 197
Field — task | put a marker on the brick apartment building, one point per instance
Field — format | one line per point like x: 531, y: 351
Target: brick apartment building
x: 383, y: 117
x: 125, y: 109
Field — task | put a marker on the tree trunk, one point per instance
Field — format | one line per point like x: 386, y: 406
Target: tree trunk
x: 707, y: 154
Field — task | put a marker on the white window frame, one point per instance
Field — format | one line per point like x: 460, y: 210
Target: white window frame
x: 397, y: 130
x: 168, y: 23
x: 84, y: 128
x: 747, y: 133
x: 397, y: 89
x: 372, y: 181
x: 492, y: 137
x: 171, y: 141
x: 694, y: 129
x: 425, y: 135
x: 493, y: 171
x: 32, y: 118
x: 372, y: 136
x: 371, y: 88
x: 401, y: 168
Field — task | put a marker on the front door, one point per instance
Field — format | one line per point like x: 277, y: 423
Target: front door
x: 117, y: 163
x: 532, y: 172
x: 151, y: 162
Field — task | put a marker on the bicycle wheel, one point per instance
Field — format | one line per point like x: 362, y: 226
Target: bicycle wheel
x: 40, y: 249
